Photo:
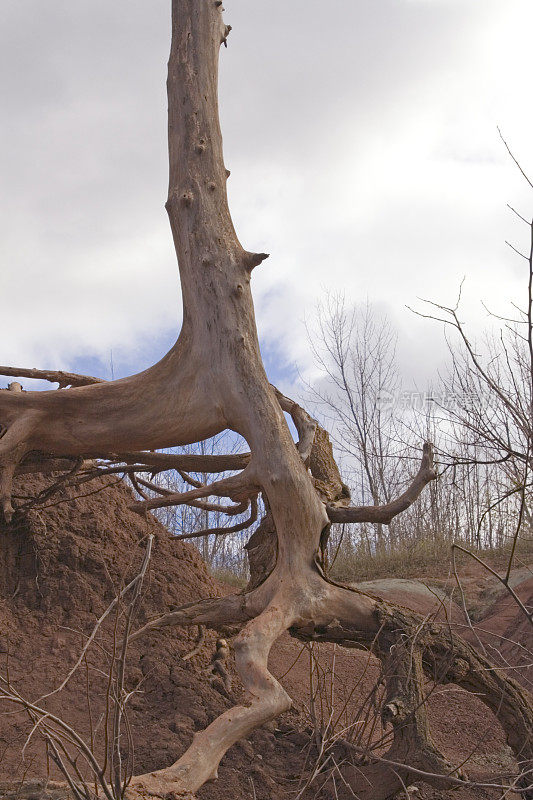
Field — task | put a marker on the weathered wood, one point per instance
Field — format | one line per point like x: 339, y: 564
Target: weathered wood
x: 52, y: 376
x: 386, y: 513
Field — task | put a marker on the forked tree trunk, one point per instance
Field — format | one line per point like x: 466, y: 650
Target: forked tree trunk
x: 213, y: 379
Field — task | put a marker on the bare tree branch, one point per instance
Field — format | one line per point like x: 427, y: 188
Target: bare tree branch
x: 241, y: 526
x: 235, y: 486
x: 384, y: 514
x: 64, y: 379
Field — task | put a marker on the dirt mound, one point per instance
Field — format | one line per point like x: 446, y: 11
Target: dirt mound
x: 59, y: 569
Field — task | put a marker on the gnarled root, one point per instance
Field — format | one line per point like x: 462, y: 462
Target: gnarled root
x: 372, y: 777
x: 178, y: 406
x: 267, y: 699
x: 409, y: 647
x: 13, y: 448
x: 404, y: 708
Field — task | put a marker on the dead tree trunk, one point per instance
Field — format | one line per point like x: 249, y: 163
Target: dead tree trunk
x: 212, y: 379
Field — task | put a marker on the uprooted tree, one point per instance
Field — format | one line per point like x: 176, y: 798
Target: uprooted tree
x: 213, y: 379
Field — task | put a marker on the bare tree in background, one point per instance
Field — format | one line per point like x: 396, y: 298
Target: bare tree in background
x: 355, y: 348
x: 211, y: 380
x: 490, y: 418
x: 375, y: 425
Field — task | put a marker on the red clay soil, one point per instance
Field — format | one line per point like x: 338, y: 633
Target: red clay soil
x: 59, y: 569
x: 507, y: 633
x: 60, y: 566
x: 462, y: 726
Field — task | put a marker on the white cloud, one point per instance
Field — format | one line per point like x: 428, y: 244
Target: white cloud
x: 364, y: 155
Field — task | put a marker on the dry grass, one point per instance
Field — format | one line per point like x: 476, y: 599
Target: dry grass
x: 419, y: 559
x: 229, y: 578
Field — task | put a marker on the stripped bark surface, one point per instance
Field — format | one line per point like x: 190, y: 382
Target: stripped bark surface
x: 213, y: 379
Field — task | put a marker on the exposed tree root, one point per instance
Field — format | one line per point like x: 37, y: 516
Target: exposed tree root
x: 267, y: 699
x: 218, y: 613
x: 410, y: 648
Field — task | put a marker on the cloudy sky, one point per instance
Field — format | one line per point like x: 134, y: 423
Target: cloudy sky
x: 362, y: 141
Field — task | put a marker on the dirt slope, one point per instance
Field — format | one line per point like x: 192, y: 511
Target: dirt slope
x: 507, y: 633
x: 59, y: 568
x: 461, y: 725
